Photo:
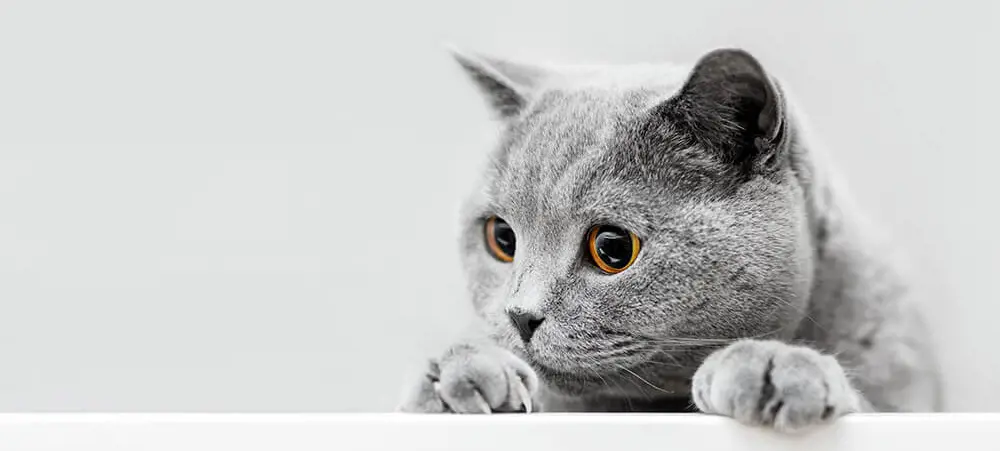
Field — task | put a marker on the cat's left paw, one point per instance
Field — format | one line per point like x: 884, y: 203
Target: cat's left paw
x: 770, y: 383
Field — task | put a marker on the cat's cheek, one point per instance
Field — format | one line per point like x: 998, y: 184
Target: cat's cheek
x: 486, y: 288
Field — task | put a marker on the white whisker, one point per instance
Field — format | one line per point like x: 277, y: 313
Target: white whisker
x: 644, y: 380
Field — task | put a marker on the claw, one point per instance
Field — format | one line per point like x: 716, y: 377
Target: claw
x: 485, y: 406
x: 522, y: 391
x: 437, y: 390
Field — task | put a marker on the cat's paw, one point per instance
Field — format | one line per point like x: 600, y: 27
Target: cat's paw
x: 774, y: 384
x: 474, y: 379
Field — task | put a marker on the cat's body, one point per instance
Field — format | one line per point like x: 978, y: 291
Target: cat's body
x: 752, y: 268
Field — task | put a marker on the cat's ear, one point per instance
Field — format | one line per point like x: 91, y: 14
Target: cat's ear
x: 730, y: 104
x: 506, y: 85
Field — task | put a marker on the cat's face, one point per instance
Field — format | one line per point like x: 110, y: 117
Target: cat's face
x: 622, y: 229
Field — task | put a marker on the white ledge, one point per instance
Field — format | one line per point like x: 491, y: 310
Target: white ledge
x: 549, y: 432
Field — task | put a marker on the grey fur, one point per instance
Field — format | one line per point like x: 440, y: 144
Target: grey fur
x: 760, y: 292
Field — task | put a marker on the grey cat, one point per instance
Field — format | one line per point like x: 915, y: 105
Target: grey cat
x: 668, y: 238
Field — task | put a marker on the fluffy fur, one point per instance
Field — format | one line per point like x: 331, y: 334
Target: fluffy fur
x: 759, y: 292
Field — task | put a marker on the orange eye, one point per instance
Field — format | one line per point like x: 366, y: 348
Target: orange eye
x: 613, y: 249
x: 500, y: 239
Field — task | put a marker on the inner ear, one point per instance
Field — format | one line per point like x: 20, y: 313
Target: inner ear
x: 506, y: 85
x: 772, y: 114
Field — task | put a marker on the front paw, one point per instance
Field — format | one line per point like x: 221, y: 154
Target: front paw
x: 474, y: 379
x: 770, y: 383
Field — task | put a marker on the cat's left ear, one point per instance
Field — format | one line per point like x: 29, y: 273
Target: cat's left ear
x: 731, y: 105
x: 508, y: 86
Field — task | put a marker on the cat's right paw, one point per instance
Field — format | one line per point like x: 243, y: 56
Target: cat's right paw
x: 474, y: 379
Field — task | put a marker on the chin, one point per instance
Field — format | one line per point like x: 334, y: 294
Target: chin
x: 567, y: 383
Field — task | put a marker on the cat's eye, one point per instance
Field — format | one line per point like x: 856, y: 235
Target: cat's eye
x: 613, y: 249
x: 500, y: 239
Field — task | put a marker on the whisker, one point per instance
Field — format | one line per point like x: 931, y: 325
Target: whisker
x: 674, y: 364
x: 800, y: 309
x: 622, y: 391
x: 637, y: 386
x: 674, y: 359
x: 694, y: 342
x: 644, y: 380
x: 594, y: 363
x: 620, y: 352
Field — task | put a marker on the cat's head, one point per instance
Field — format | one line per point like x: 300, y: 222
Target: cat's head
x: 631, y: 217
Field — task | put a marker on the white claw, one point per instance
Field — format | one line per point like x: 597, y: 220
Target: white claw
x: 525, y: 397
x: 485, y: 406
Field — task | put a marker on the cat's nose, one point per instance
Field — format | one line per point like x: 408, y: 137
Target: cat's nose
x: 525, y: 321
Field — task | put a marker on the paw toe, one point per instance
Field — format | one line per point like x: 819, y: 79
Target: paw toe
x: 774, y: 384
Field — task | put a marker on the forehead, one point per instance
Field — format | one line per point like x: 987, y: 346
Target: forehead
x: 564, y: 127
x: 574, y: 152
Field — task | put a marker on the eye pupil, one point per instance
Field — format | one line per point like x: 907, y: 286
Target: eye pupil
x: 500, y: 239
x: 612, y: 248
x: 505, y: 237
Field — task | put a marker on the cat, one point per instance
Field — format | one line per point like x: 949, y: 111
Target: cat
x: 668, y: 238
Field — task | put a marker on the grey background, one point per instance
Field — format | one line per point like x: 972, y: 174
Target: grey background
x: 250, y: 206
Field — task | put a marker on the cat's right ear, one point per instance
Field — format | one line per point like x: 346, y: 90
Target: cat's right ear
x: 506, y: 85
